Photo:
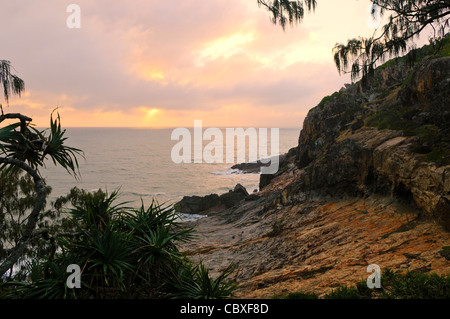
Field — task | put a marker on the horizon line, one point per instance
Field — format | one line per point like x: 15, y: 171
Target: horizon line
x: 165, y: 128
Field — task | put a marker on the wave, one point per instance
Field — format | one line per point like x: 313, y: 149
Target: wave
x: 234, y: 171
x: 230, y: 171
x: 146, y: 195
x: 189, y: 217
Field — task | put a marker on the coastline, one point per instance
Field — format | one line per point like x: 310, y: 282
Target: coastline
x: 314, y: 244
x: 367, y: 185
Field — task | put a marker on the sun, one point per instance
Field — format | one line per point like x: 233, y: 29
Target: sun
x: 152, y: 112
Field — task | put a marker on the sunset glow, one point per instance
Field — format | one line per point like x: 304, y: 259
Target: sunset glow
x: 146, y: 64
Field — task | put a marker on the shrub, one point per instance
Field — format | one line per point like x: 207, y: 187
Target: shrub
x: 123, y: 253
x: 394, y: 285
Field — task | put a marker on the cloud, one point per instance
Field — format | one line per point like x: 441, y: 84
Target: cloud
x: 189, y: 56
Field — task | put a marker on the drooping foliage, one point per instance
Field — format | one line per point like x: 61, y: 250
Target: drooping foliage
x: 286, y: 12
x: 404, y: 21
x: 11, y: 83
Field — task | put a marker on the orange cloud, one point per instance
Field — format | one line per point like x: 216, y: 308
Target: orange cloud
x: 227, y: 65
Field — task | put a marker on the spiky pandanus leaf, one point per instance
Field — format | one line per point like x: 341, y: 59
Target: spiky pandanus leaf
x: 60, y: 153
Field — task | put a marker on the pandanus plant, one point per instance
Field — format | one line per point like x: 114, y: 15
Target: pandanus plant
x: 24, y: 148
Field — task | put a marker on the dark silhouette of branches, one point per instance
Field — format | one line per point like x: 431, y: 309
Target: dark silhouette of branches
x: 406, y: 20
x: 359, y: 56
x: 288, y: 12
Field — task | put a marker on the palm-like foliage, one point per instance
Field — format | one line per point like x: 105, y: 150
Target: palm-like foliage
x: 96, y: 211
x: 196, y: 283
x: 23, y: 148
x: 47, y: 282
x: 156, y: 232
x: 29, y: 145
x: 54, y: 146
x: 123, y: 252
x: 9, y: 133
x: 107, y: 258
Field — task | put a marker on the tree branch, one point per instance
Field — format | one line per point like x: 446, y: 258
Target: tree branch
x: 23, y: 119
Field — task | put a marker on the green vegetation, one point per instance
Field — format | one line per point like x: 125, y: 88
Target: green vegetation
x: 344, y: 292
x: 24, y: 149
x: 360, y: 56
x: 287, y: 12
x: 415, y: 285
x: 123, y: 253
x: 17, y: 198
x: 194, y: 282
x: 432, y: 140
x: 406, y: 21
x: 394, y: 117
x: 437, y: 48
x: 325, y: 100
x: 328, y: 98
x: 11, y: 83
x: 394, y: 285
x: 427, y: 123
x: 445, y: 252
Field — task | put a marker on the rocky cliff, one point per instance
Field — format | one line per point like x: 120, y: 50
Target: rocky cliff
x: 369, y: 182
x: 390, y: 138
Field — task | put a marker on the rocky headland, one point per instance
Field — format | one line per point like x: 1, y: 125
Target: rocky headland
x: 368, y: 183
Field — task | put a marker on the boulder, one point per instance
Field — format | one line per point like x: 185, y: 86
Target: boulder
x: 231, y: 198
x: 197, y: 204
x: 240, y: 189
x: 203, y: 204
x: 250, y: 168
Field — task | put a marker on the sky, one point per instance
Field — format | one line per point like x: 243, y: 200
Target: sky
x: 157, y: 64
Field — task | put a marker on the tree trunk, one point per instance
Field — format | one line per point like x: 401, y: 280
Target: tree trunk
x: 16, y: 252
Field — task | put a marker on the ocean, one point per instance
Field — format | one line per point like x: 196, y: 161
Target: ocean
x: 138, y: 163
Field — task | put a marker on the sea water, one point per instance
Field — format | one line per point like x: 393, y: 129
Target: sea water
x: 138, y: 163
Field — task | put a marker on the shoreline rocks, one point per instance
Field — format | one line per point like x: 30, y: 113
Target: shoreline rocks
x: 202, y: 205
x: 355, y: 191
x: 250, y: 168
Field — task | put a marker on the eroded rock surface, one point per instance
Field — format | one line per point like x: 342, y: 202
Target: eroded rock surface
x: 368, y: 183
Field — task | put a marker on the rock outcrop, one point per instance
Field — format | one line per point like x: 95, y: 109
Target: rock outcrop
x: 211, y: 203
x: 339, y: 159
x: 197, y: 204
x: 344, y: 150
x: 250, y: 168
x: 368, y: 182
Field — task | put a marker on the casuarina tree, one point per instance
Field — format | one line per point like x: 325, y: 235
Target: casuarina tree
x: 404, y: 21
